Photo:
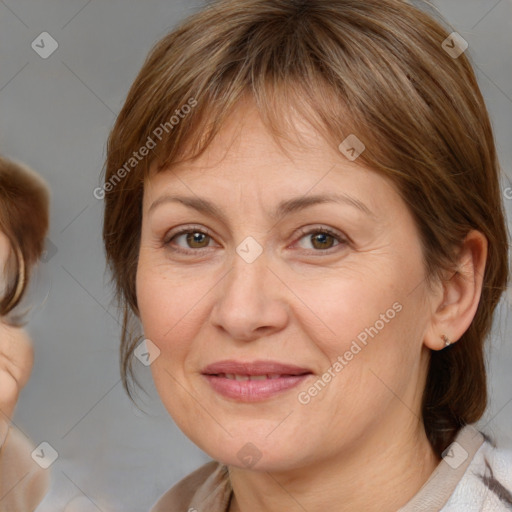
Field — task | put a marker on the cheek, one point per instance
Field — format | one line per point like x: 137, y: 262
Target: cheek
x: 345, y: 309
x: 162, y: 300
x: 170, y: 321
x: 372, y: 322
x: 169, y: 307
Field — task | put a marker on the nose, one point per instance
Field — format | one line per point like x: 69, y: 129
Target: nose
x: 251, y: 300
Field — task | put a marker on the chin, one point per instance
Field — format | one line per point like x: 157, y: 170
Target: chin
x: 254, y: 455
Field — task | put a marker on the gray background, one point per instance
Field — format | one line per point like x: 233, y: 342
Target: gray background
x: 55, y: 115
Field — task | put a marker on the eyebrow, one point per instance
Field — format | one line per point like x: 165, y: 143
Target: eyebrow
x: 284, y: 208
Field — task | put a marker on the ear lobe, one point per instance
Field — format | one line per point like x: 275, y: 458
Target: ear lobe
x: 455, y: 307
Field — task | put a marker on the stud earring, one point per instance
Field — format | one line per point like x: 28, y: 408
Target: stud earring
x: 446, y: 340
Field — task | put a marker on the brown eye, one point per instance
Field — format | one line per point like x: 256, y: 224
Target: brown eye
x: 322, y: 239
x: 194, y: 239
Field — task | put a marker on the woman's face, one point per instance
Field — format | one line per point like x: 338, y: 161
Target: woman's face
x: 348, y: 309
x: 16, y: 352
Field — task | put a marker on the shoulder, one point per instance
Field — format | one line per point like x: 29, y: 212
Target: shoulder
x: 496, y: 468
x: 206, y: 488
x: 487, y: 481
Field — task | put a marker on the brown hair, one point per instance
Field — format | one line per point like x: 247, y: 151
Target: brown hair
x: 376, y: 69
x: 24, y: 203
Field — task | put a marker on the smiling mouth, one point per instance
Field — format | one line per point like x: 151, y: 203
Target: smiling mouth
x: 253, y: 368
x: 271, y: 376
x: 253, y: 388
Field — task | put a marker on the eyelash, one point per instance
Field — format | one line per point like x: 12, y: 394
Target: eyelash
x: 204, y: 231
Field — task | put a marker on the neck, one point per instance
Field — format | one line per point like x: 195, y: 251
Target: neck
x: 378, y: 476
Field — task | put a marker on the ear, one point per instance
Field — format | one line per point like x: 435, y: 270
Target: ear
x: 455, y: 305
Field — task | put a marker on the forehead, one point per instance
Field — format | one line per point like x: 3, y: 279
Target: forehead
x: 246, y: 163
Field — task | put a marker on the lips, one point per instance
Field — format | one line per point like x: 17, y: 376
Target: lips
x: 254, y: 368
x: 254, y: 381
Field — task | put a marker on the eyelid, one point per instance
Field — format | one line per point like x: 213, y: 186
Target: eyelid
x: 321, y: 228
x: 185, y: 229
x: 304, y: 231
x: 339, y: 236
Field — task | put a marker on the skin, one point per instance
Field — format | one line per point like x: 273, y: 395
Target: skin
x: 16, y: 363
x: 360, y: 443
x: 16, y: 357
